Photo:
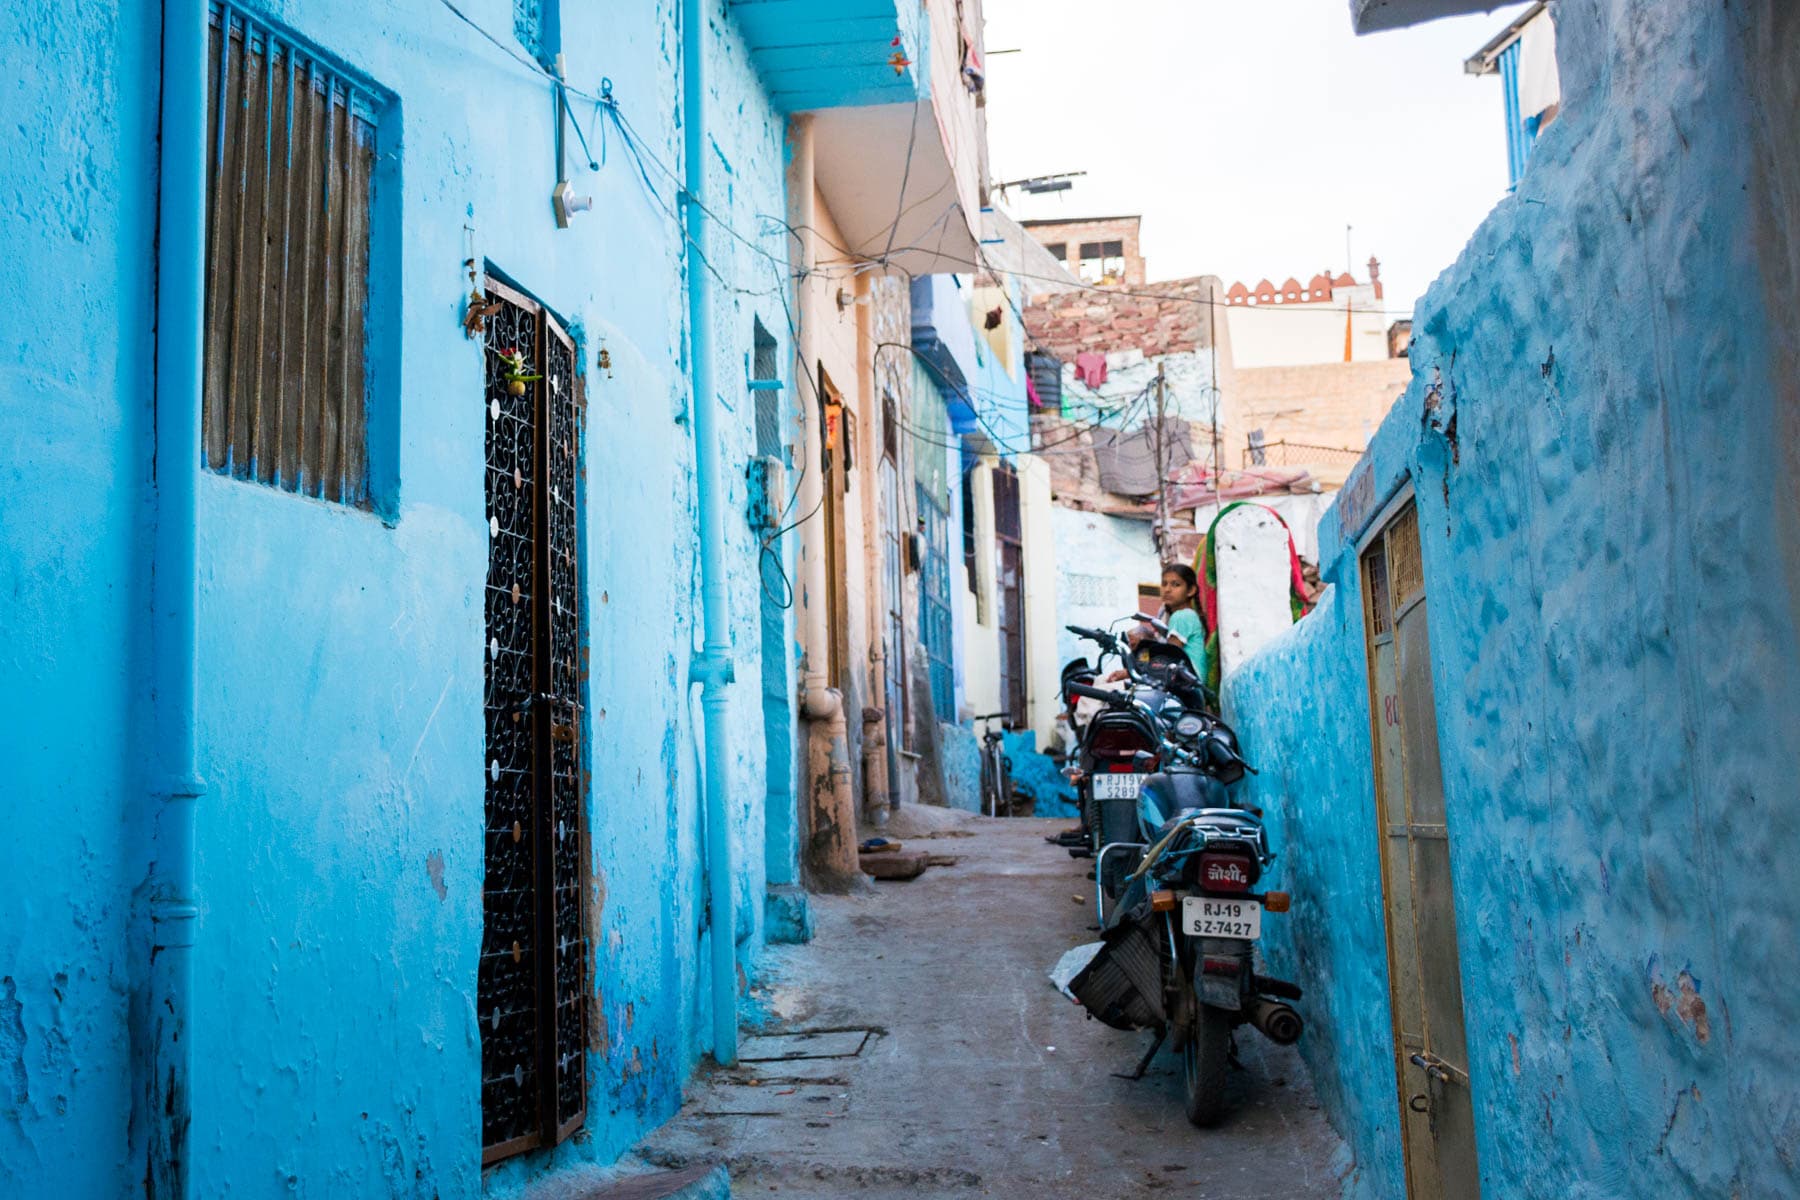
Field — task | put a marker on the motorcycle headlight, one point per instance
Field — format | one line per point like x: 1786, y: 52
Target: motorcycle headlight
x: 1189, y: 726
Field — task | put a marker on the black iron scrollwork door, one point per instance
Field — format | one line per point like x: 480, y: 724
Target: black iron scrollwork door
x: 532, y: 996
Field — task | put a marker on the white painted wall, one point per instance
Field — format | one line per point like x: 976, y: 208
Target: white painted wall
x: 1302, y: 514
x: 1043, y: 669
x: 1100, y: 561
x: 1291, y: 335
x: 980, y: 649
x: 1254, y: 572
x: 1188, y: 383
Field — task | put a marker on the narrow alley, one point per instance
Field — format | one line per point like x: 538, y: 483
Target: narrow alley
x: 953, y: 1067
x: 900, y: 599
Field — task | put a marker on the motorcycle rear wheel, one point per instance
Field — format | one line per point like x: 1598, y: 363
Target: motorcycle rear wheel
x: 1206, y: 1060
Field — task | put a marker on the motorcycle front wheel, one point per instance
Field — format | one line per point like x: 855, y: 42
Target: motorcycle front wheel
x: 1205, y: 1061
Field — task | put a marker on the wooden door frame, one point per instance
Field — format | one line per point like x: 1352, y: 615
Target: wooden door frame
x: 836, y: 481
x: 1375, y: 530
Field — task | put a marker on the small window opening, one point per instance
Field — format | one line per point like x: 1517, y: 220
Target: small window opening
x: 291, y: 175
x: 765, y: 383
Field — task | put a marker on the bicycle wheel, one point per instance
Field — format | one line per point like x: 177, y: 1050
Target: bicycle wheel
x: 988, y: 783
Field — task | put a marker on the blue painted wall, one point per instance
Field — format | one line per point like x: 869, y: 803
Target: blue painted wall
x: 983, y: 395
x: 76, y: 208
x: 1001, y: 408
x: 339, y: 845
x: 1600, y: 437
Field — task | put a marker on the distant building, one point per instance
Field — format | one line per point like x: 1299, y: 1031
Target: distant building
x: 1327, y: 319
x: 1102, y: 251
x: 1319, y: 416
x: 1524, y: 56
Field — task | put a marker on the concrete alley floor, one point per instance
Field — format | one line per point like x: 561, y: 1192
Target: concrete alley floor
x: 956, y: 1069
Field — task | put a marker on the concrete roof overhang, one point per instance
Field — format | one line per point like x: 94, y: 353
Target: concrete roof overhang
x: 1372, y: 16
x: 814, y: 54
x: 886, y: 172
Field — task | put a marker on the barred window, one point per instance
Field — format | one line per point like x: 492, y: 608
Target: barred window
x: 538, y: 26
x: 289, y: 194
x: 765, y: 382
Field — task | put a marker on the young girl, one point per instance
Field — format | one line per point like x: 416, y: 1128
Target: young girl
x: 1181, y: 613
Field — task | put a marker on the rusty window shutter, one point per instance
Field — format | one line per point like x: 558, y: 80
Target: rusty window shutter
x: 289, y: 186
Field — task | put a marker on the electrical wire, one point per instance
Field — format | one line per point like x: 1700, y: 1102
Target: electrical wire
x: 1037, y: 448
x: 977, y: 264
x: 1199, y: 301
x: 639, y: 153
x: 912, y: 139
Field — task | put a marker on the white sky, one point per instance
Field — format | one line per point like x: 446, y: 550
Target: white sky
x: 1248, y: 134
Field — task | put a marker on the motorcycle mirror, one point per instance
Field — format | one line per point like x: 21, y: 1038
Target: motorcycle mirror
x: 1152, y: 622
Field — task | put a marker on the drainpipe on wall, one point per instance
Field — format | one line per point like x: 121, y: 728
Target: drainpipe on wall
x: 713, y: 669
x: 162, y: 1048
x: 831, y: 812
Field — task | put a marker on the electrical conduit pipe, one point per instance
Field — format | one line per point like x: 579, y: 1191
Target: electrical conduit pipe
x: 161, y: 1028
x: 713, y: 669
x: 831, y: 823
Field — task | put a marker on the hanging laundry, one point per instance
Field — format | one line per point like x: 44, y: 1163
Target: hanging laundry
x: 1031, y: 392
x: 1090, y: 368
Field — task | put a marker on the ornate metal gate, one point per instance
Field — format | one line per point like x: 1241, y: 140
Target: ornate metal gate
x: 533, y: 986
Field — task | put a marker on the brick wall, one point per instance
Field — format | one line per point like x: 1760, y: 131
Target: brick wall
x: 1070, y: 323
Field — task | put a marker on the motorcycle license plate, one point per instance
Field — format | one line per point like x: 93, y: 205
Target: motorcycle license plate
x: 1118, y: 787
x: 1206, y: 916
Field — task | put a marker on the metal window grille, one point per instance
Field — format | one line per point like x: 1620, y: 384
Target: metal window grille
x: 1381, y: 609
x: 890, y: 427
x: 532, y: 988
x: 968, y: 528
x: 1009, y: 590
x: 289, y: 193
x: 528, y: 26
x: 934, y: 601
x: 1260, y: 453
x: 1405, y: 566
x: 763, y: 371
x: 1088, y: 591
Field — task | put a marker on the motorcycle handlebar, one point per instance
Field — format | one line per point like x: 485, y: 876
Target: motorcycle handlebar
x: 1092, y: 635
x: 1116, y: 699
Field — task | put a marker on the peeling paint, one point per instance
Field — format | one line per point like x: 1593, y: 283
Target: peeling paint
x: 1613, y: 639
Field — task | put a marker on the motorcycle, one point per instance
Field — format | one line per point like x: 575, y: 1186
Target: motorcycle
x: 1119, y: 747
x: 1177, y: 953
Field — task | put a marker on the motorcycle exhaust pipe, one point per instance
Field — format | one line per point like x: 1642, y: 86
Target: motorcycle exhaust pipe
x: 1277, y: 1021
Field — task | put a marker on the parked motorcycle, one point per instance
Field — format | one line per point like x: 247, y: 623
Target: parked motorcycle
x: 1177, y: 949
x: 1120, y: 747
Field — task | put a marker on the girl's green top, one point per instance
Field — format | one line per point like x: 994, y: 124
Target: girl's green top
x: 1185, y: 624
